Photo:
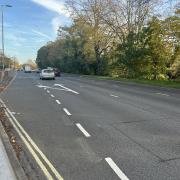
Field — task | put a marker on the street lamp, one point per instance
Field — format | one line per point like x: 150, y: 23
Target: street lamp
x: 2, y: 28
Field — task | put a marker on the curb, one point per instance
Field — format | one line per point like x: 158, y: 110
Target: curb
x: 18, y: 171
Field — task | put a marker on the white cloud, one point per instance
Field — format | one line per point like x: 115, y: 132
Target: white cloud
x: 40, y: 34
x: 15, y: 39
x: 56, y: 22
x: 53, y: 5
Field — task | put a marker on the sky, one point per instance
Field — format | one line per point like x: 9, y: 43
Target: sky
x: 30, y: 24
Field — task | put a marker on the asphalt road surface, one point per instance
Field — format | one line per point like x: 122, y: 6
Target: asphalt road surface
x: 100, y: 130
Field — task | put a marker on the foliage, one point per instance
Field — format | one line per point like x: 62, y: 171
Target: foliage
x: 102, y: 42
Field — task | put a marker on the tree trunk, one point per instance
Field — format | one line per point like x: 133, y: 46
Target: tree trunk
x: 98, y: 60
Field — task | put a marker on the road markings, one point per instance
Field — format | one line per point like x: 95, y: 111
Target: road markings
x: 52, y: 96
x: 70, y: 90
x: 112, y: 95
x: 116, y: 169
x: 67, y: 112
x: 48, y: 91
x: 163, y: 94
x: 29, y: 142
x: 37, y: 159
x: 83, y: 130
x: 14, y: 113
x: 47, y: 87
x: 58, y: 101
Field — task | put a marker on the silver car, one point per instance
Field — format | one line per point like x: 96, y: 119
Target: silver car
x: 47, y: 74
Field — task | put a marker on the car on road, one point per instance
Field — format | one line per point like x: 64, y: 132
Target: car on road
x: 57, y: 72
x: 47, y: 74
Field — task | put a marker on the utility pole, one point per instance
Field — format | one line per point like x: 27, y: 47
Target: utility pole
x: 2, y: 29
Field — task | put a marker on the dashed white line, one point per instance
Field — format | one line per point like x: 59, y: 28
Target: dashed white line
x: 48, y: 91
x: 67, y: 112
x: 70, y: 90
x: 83, y: 130
x: 112, y: 95
x: 52, y: 96
x: 58, y: 101
x: 163, y: 94
x: 116, y: 169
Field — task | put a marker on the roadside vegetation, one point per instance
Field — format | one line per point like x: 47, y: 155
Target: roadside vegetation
x: 9, y: 62
x: 119, y: 39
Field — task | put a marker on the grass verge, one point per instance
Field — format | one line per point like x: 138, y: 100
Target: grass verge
x: 160, y: 83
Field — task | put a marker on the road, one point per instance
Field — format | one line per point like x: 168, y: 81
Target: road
x: 100, y: 130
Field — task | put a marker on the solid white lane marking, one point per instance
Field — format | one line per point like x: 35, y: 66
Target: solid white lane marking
x: 70, y: 90
x: 52, y: 96
x: 48, y: 91
x: 67, y: 112
x: 112, y: 95
x: 20, y: 129
x: 163, y: 94
x: 58, y: 101
x: 116, y: 169
x: 37, y: 159
x: 83, y: 130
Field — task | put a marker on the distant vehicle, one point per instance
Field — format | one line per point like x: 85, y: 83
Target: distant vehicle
x: 47, y: 74
x: 27, y: 69
x: 33, y: 70
x: 38, y: 70
x: 57, y: 72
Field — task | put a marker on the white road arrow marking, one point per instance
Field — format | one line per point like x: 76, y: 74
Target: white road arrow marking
x: 70, y: 90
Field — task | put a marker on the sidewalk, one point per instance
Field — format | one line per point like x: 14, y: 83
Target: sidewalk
x: 6, y: 171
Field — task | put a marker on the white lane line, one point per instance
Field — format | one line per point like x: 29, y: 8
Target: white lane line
x: 163, y: 94
x: 23, y: 133
x: 112, y: 95
x: 45, y: 88
x: 37, y: 159
x: 52, y: 96
x: 48, y: 91
x: 58, y: 101
x: 70, y: 90
x: 116, y: 169
x: 83, y: 130
x: 67, y: 112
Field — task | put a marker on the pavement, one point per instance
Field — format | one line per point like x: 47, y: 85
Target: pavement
x: 82, y: 128
x: 6, y: 171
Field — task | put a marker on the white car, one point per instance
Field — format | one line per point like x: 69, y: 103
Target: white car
x: 47, y: 74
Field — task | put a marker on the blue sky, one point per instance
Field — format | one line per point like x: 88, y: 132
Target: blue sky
x: 30, y: 24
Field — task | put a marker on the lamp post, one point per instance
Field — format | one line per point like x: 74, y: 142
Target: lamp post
x: 2, y: 28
